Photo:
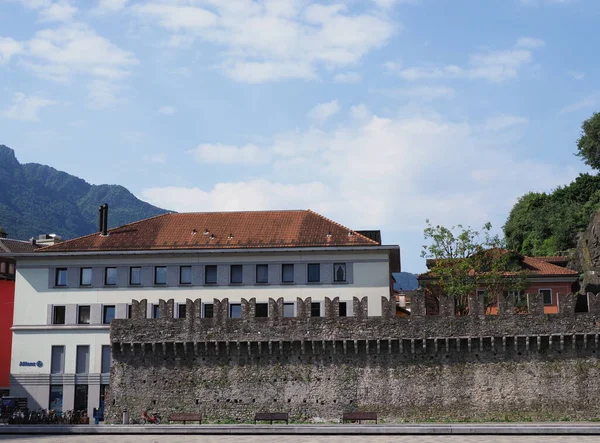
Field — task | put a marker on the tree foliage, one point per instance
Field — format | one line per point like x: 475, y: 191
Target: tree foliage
x: 588, y: 145
x: 464, y: 261
x: 547, y: 224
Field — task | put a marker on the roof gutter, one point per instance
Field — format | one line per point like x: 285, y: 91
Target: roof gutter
x: 42, y: 254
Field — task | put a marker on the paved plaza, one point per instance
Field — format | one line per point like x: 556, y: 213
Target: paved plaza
x: 293, y: 439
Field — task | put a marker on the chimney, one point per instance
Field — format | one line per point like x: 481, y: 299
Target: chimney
x: 100, y: 218
x: 3, y: 233
x: 47, y: 239
x: 105, y: 220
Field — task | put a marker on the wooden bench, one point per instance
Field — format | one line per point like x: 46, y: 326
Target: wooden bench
x: 186, y: 417
x: 359, y: 416
x: 271, y: 417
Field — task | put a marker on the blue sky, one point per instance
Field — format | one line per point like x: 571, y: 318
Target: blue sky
x: 379, y: 114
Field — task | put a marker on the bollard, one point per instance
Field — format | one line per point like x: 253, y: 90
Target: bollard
x: 125, y: 417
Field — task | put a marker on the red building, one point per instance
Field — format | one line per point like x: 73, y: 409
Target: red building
x: 547, y: 276
x: 7, y: 297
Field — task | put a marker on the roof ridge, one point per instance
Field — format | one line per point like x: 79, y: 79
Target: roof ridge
x: 45, y: 248
x: 342, y: 226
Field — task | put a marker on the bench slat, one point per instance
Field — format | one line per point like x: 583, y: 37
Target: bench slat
x: 186, y: 417
x: 358, y: 416
x: 271, y: 416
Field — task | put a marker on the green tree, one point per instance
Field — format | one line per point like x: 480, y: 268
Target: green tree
x: 548, y: 224
x: 464, y: 260
x: 588, y: 145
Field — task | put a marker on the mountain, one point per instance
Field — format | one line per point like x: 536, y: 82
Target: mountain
x: 405, y: 281
x: 38, y: 199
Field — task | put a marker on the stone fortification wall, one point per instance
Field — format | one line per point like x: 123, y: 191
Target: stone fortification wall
x: 505, y: 366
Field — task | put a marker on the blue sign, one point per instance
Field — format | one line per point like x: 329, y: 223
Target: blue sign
x: 32, y: 364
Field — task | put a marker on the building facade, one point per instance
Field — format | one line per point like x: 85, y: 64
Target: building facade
x: 547, y: 276
x: 67, y: 294
x: 7, y: 294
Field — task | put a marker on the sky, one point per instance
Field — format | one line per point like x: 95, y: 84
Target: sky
x: 379, y: 114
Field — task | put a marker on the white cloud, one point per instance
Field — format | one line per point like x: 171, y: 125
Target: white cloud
x: 8, y: 48
x: 368, y: 170
x: 576, y: 75
x: 61, y: 53
x: 228, y: 154
x: 167, y: 110
x: 268, y: 40
x: 104, y: 94
x: 159, y: 158
x: 347, y: 77
x: 493, y: 66
x: 420, y: 93
x: 530, y: 43
x: 52, y: 11
x: 324, y: 111
x: 110, y: 6
x: 26, y: 107
x: 586, y: 102
x: 240, y: 196
x: 502, y: 122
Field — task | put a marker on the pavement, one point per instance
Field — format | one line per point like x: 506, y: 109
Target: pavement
x: 303, y: 433
x: 294, y: 439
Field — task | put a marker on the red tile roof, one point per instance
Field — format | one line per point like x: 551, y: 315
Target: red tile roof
x: 538, y: 266
x: 16, y: 246
x: 535, y: 267
x: 220, y: 230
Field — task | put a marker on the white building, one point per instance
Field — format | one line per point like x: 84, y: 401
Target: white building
x: 67, y: 294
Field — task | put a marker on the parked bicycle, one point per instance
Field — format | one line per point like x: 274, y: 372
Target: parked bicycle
x: 153, y: 419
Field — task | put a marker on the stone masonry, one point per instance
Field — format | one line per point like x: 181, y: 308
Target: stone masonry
x: 510, y: 366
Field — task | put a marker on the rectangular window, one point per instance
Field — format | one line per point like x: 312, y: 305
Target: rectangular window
x: 106, y: 360
x: 83, y: 360
x: 287, y: 273
x: 339, y: 272
x: 547, y: 294
x: 315, y: 309
x: 237, y: 274
x: 57, y: 360
x: 60, y: 278
x: 83, y: 315
x: 262, y: 309
x: 185, y: 275
x: 160, y: 275
x: 56, y: 399
x: 343, y: 312
x: 103, y: 389
x: 208, y: 310
x: 210, y: 274
x: 58, y: 315
x: 235, y: 310
x: 108, y: 313
x: 135, y: 276
x: 11, y: 268
x: 85, y: 277
x: 288, y: 309
x: 181, y: 311
x: 314, y: 272
x: 110, y: 276
x: 262, y: 273
x: 81, y: 398
x: 155, y: 311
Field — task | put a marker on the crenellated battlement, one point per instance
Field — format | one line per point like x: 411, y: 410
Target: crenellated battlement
x: 507, y: 330
x: 486, y: 367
